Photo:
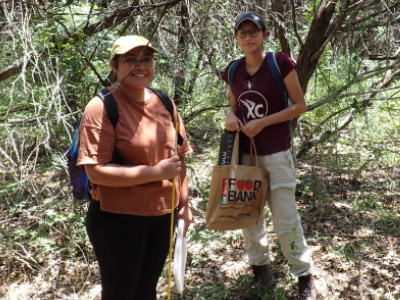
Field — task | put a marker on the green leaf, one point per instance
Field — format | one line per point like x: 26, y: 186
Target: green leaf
x: 355, y: 104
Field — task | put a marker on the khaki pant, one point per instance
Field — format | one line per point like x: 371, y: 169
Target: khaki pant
x: 286, y: 219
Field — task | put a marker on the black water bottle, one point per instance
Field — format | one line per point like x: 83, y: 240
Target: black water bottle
x: 226, y: 148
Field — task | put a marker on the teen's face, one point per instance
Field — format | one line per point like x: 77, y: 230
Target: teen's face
x: 250, y: 38
x: 137, y: 65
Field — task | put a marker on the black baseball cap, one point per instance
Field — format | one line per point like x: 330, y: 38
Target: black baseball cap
x: 250, y: 16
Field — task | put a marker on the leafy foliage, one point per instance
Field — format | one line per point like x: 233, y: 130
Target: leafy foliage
x: 54, y: 58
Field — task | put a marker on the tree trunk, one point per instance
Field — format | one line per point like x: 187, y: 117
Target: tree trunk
x: 315, y: 42
x: 278, y: 12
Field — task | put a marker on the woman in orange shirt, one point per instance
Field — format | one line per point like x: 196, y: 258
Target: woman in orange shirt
x: 128, y: 221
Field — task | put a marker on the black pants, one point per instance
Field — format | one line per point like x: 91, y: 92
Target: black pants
x: 131, y: 252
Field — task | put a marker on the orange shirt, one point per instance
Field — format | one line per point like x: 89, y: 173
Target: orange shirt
x: 144, y: 135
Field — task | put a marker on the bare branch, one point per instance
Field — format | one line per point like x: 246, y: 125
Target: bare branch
x: 277, y: 9
x: 330, y: 37
x: 299, y: 40
x: 108, y: 22
x: 11, y: 71
x: 357, y: 79
x: 365, y: 103
x: 316, y: 38
x: 197, y: 113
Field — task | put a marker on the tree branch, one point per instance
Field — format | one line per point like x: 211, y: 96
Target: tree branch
x: 357, y: 79
x: 107, y: 22
x: 197, y: 113
x: 299, y: 40
x: 316, y: 37
x: 330, y: 37
x: 11, y: 71
x: 277, y: 14
x: 365, y: 103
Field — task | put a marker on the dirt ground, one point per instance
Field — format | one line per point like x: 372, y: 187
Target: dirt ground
x: 355, y: 248
x: 354, y: 238
x: 360, y: 265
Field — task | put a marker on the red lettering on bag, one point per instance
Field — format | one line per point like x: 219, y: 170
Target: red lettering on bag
x: 225, y: 186
x: 240, y: 190
x: 241, y: 184
x: 249, y: 185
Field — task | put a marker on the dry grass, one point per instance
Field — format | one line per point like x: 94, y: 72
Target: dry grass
x: 353, y: 228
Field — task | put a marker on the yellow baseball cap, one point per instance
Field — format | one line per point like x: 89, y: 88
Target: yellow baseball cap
x: 126, y: 43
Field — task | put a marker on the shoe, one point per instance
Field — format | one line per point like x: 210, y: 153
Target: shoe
x: 263, y: 276
x: 263, y: 279
x: 307, y: 290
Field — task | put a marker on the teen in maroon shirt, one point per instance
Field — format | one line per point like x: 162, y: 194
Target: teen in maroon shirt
x: 258, y: 111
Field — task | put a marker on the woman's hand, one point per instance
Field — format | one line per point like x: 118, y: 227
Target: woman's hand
x: 233, y: 123
x: 169, y: 168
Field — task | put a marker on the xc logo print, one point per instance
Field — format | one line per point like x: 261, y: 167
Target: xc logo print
x: 253, y: 110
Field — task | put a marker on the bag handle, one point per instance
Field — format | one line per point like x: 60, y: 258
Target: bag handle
x: 235, y: 152
x: 253, y: 147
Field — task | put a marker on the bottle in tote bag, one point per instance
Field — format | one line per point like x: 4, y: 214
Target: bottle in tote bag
x: 237, y: 192
x: 226, y: 148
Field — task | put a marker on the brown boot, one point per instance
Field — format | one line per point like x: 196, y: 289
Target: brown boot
x: 307, y: 290
x: 263, y: 278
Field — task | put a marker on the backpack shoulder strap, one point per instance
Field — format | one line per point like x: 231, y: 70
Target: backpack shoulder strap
x: 276, y: 72
x: 166, y: 100
x: 232, y: 71
x: 111, y: 106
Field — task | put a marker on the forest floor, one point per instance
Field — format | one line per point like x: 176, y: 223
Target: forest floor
x: 354, y: 238
x: 352, y: 226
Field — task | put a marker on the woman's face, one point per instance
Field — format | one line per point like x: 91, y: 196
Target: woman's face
x: 250, y: 38
x: 136, y: 68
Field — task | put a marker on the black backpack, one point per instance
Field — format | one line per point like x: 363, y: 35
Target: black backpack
x: 77, y: 174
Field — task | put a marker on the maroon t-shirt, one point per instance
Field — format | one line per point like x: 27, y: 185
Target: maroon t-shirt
x: 258, y: 96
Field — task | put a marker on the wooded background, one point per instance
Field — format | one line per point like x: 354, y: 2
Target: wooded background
x: 54, y: 57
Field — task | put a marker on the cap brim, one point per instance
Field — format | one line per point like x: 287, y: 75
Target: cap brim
x: 126, y: 44
x: 129, y: 48
x: 248, y: 19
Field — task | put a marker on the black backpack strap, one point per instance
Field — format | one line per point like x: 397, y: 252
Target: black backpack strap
x: 231, y: 73
x: 276, y: 74
x: 111, y: 106
x: 113, y: 115
x: 168, y: 105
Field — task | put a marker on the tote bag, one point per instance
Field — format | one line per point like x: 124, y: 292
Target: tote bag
x: 237, y: 193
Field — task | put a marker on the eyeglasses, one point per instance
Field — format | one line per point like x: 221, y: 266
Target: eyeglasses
x: 243, y: 33
x: 131, y: 62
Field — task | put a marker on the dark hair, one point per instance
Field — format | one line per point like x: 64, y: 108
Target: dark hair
x: 116, y: 58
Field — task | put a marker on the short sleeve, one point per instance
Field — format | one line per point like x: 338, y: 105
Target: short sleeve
x: 285, y: 63
x: 225, y: 73
x: 96, y: 135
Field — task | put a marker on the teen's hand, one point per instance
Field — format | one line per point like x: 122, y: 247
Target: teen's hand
x: 253, y: 127
x: 168, y: 168
x: 233, y: 123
